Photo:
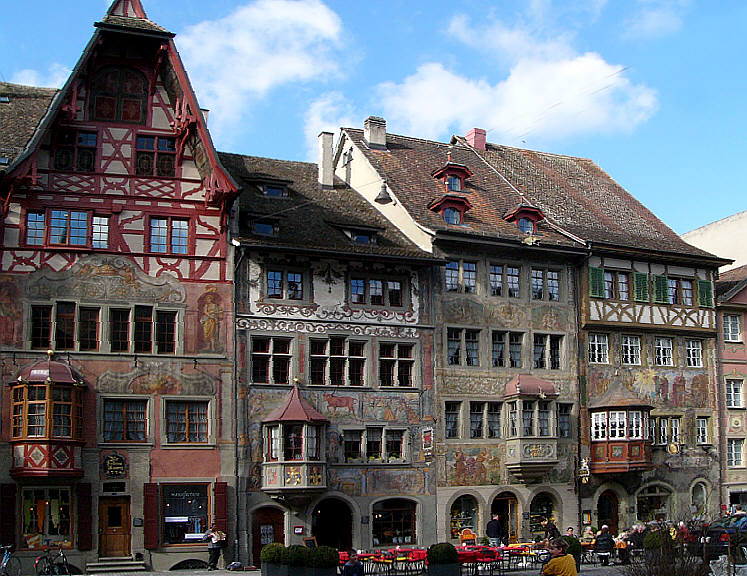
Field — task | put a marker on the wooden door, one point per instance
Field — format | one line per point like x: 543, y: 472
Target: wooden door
x: 114, y: 527
x: 267, y: 527
x: 607, y: 511
x: 506, y: 505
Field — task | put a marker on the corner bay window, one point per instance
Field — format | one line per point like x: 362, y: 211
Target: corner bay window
x: 337, y: 361
x: 46, y: 410
x: 184, y: 509
x: 46, y: 514
x: 393, y: 522
x: 619, y: 425
x: 292, y: 441
x: 187, y: 422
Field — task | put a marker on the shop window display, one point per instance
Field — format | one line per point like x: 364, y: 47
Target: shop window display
x: 46, y: 517
x: 463, y: 515
x: 184, y: 513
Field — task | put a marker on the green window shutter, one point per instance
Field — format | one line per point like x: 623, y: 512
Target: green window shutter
x: 640, y: 286
x: 705, y: 293
x: 596, y: 282
x: 661, y: 289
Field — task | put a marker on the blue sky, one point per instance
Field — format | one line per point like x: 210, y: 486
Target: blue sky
x: 652, y: 90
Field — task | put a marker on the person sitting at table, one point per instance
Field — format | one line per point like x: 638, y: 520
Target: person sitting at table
x: 551, y: 531
x: 352, y: 567
x: 569, y: 532
x: 561, y: 563
x: 588, y: 536
x: 604, y: 545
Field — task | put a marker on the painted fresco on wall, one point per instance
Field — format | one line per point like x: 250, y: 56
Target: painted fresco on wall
x: 211, y: 314
x: 10, y: 312
x: 385, y: 482
x: 504, y: 315
x: 156, y: 378
x: 463, y: 311
x: 104, y: 278
x: 394, y: 408
x: 563, y: 470
x: 345, y: 480
x: 477, y: 466
x: 549, y: 318
x: 659, y: 388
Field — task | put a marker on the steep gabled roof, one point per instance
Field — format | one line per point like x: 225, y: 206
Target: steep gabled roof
x: 731, y: 282
x: 20, y: 116
x: 408, y: 164
x: 128, y: 17
x: 295, y: 408
x: 580, y: 197
x: 312, y: 218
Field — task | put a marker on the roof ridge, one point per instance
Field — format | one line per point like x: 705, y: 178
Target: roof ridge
x: 543, y: 152
x: 412, y: 138
x: 30, y: 87
x: 253, y: 157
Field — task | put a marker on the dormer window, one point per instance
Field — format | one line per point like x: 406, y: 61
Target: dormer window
x: 451, y: 207
x: 453, y: 184
x: 525, y: 216
x: 265, y: 227
x: 363, y: 237
x: 274, y: 190
x: 526, y: 225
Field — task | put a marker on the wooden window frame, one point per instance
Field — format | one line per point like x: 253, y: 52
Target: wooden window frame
x: 346, y: 364
x: 369, y: 297
x: 162, y: 151
x: 78, y: 147
x: 396, y: 364
x: 170, y: 244
x: 275, y: 358
x: 191, y: 409
x: 20, y: 403
x: 128, y: 406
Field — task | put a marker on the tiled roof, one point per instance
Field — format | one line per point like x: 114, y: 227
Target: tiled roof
x: 408, y: 164
x: 134, y: 23
x: 579, y: 196
x: 20, y: 116
x: 295, y: 408
x: 730, y: 279
x: 311, y: 217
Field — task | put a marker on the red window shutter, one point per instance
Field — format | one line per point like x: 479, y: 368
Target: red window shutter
x: 8, y: 517
x: 221, y: 506
x: 85, y: 527
x: 151, y: 522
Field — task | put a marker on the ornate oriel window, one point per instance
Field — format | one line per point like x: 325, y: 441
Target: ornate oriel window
x: 46, y: 410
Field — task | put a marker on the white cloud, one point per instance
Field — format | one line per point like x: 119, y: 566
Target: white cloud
x: 655, y: 18
x: 239, y: 59
x: 54, y: 77
x: 328, y: 113
x: 550, y: 91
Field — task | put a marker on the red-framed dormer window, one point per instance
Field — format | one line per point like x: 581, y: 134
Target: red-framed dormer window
x: 453, y: 175
x: 525, y: 216
x: 452, y: 208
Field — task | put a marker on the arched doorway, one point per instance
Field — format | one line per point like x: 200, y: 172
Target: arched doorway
x: 506, y: 506
x: 541, y: 508
x: 653, y: 503
x: 607, y: 510
x: 267, y: 527
x: 332, y: 524
x: 463, y: 515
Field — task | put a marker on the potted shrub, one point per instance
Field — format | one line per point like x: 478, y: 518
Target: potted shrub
x: 272, y: 560
x: 658, y: 543
x: 574, y: 549
x: 443, y: 560
x: 323, y: 561
x: 295, y: 558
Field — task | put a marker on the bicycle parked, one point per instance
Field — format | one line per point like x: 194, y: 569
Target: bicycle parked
x: 48, y: 565
x: 10, y: 566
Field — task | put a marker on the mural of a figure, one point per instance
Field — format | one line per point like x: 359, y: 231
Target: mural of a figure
x: 210, y: 320
x: 8, y: 312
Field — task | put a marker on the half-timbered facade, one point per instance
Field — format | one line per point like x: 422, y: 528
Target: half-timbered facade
x: 335, y: 355
x: 731, y: 302
x: 505, y: 328
x: 647, y: 326
x: 116, y: 297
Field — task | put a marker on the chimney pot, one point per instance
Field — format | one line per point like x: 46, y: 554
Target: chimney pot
x: 477, y: 138
x: 326, y: 173
x: 374, y: 132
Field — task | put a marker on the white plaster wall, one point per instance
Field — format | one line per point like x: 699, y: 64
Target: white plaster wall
x: 726, y: 238
x: 367, y: 182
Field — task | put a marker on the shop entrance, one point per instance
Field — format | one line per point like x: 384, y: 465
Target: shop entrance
x: 114, y: 526
x: 267, y: 527
x: 506, y: 505
x: 332, y: 524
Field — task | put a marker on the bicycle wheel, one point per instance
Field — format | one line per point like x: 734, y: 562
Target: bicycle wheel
x: 43, y: 567
x: 13, y: 567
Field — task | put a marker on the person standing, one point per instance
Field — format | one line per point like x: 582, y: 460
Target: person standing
x: 494, y: 531
x: 561, y: 563
x: 216, y: 540
x: 353, y: 566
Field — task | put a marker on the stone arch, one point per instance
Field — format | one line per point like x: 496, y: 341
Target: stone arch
x: 481, y: 514
x: 418, y: 520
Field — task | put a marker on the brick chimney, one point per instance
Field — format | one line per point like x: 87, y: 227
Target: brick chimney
x: 477, y: 138
x: 326, y: 173
x: 374, y: 132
